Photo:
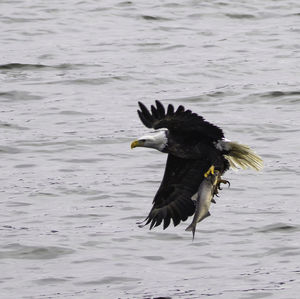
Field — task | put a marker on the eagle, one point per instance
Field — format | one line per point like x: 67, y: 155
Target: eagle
x: 196, y: 150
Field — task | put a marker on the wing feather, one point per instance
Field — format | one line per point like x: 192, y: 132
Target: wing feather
x: 167, y: 221
x: 180, y: 123
x: 145, y: 121
x: 146, y: 114
x: 160, y: 109
x: 170, y: 110
x: 173, y: 199
x: 154, y: 112
x: 179, y: 110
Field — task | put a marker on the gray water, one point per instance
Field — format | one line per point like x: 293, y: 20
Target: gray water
x: 71, y: 189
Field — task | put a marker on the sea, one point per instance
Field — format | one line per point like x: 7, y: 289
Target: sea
x: 72, y: 192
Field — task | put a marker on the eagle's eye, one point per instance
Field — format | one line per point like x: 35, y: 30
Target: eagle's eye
x: 142, y: 140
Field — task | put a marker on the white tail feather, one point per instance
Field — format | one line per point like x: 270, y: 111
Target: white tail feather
x: 242, y: 156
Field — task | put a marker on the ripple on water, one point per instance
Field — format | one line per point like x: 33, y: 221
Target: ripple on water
x: 7, y: 125
x: 34, y: 67
x: 240, y: 16
x: 18, y: 251
x: 153, y: 257
x: 21, y: 66
x: 9, y: 150
x: 50, y: 281
x: 18, y: 95
x: 110, y: 280
x: 275, y: 97
x: 18, y: 204
x: 24, y: 165
x: 279, y: 228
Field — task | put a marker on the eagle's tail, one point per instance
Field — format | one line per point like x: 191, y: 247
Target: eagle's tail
x: 242, y: 156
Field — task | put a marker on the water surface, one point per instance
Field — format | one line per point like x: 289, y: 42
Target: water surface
x: 71, y: 189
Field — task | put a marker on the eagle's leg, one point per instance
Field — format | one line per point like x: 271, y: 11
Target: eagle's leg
x: 218, y: 186
x: 211, y: 170
x: 221, y: 181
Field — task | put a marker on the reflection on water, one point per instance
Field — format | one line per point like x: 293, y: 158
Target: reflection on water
x: 72, y: 191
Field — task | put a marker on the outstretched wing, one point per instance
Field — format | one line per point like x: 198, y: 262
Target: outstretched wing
x: 180, y: 122
x: 173, y: 199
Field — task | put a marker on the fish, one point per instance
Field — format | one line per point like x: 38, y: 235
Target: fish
x: 203, y: 199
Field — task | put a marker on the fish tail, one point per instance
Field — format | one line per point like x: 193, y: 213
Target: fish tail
x: 242, y: 156
x: 191, y: 228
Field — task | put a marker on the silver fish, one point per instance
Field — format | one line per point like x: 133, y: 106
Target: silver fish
x: 204, y: 197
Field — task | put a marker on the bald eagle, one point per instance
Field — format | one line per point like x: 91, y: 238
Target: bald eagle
x: 195, y: 148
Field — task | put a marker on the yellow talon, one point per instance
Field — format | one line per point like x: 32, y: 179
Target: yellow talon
x: 211, y: 170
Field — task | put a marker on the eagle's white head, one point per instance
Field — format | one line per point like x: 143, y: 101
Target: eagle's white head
x: 157, y: 140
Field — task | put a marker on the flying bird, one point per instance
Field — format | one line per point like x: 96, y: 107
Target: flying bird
x: 198, y: 155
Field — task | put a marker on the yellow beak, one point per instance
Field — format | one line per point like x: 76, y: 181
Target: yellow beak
x: 135, y: 144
